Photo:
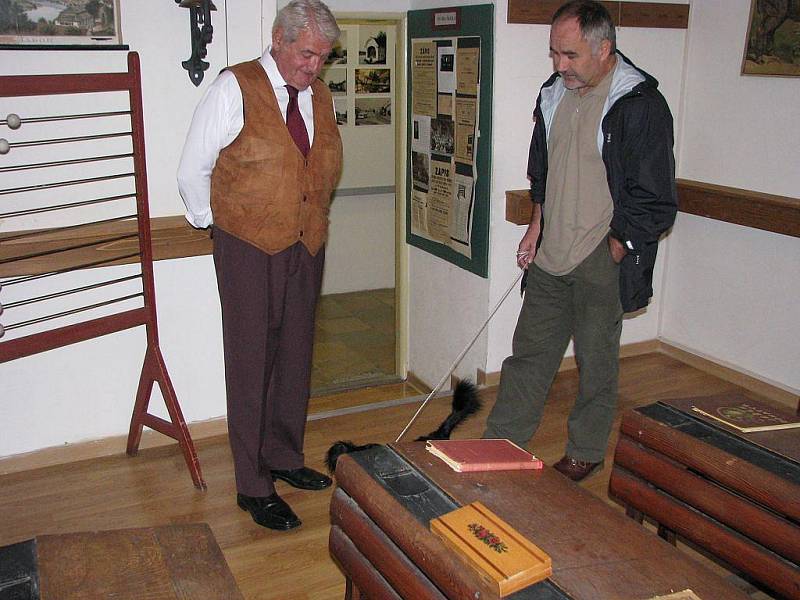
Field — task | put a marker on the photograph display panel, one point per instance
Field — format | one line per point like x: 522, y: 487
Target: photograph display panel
x: 358, y: 74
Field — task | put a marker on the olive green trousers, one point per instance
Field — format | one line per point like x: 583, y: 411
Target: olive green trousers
x: 583, y: 305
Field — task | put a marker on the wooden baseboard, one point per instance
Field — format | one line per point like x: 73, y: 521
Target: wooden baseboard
x: 110, y: 446
x: 412, y: 379
x: 727, y: 373
x: 205, y: 429
x: 568, y: 362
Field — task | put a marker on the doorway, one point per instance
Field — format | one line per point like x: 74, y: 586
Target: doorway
x: 358, y: 339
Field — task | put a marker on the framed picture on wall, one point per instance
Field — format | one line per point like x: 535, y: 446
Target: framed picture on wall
x: 372, y: 45
x: 60, y: 22
x: 336, y: 79
x: 338, y: 55
x: 340, y: 106
x: 373, y: 81
x: 773, y: 39
x: 373, y: 111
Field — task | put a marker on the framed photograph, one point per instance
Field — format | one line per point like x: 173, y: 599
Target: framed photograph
x: 371, y: 45
x: 373, y: 81
x: 373, y: 111
x: 60, y: 22
x: 338, y: 55
x: 336, y: 79
x: 340, y: 106
x: 773, y: 39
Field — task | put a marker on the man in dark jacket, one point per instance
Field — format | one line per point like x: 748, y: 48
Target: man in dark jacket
x: 603, y: 188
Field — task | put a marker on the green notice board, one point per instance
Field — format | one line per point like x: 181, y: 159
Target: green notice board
x: 449, y: 137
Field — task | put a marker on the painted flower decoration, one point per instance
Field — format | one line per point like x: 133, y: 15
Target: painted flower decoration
x: 488, y: 538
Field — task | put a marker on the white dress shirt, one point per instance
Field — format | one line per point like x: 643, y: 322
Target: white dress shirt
x: 217, y: 121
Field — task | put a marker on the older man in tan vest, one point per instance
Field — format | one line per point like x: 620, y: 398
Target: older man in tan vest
x: 261, y: 160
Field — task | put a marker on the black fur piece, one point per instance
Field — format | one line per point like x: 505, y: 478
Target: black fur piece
x: 342, y: 447
x: 465, y: 404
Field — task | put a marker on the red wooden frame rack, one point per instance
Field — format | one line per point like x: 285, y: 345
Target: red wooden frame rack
x: 154, y: 368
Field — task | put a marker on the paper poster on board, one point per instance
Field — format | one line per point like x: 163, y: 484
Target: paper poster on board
x: 421, y: 133
x: 440, y: 197
x: 420, y: 171
x: 446, y: 69
x: 461, y: 214
x: 423, y: 78
x: 467, y: 70
x: 465, y: 121
x: 419, y: 221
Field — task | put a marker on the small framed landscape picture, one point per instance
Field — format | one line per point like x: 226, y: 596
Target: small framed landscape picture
x: 338, y: 55
x: 772, y: 46
x: 340, y: 105
x: 373, y: 81
x: 336, y: 79
x: 373, y: 111
x: 59, y: 22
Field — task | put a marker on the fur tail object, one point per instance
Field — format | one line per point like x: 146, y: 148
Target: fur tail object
x: 343, y: 447
x: 465, y: 403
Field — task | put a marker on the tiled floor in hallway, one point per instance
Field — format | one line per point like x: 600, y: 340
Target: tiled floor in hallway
x: 354, y: 340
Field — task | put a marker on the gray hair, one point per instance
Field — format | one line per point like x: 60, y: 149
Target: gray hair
x: 593, y: 19
x: 300, y: 15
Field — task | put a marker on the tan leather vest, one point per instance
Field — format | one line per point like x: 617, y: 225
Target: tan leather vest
x: 263, y: 190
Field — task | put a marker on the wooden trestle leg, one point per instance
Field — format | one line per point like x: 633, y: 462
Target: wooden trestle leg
x: 154, y: 370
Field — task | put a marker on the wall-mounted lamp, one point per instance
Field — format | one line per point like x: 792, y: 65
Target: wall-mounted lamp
x: 201, y: 31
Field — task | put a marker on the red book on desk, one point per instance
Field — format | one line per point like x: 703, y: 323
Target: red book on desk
x: 483, y: 455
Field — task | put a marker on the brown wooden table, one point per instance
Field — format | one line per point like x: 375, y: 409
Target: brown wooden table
x: 386, y: 497
x: 174, y: 562
x: 736, y: 496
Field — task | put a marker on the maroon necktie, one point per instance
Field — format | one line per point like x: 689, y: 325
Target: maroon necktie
x: 294, y: 122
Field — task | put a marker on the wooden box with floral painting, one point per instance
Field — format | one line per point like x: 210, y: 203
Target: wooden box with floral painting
x: 498, y: 552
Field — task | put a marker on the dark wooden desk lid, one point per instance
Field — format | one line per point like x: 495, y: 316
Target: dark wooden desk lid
x: 173, y: 562
x: 596, y: 551
x: 784, y: 442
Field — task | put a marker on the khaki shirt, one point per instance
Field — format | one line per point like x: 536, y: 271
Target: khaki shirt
x: 578, y: 205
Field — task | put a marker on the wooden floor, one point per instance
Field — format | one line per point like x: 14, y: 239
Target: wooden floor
x: 155, y: 488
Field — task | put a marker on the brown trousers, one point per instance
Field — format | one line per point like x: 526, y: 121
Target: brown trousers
x: 268, y: 305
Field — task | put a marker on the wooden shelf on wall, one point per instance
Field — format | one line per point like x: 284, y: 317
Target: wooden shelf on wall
x: 172, y: 237
x: 778, y: 214
x: 625, y: 14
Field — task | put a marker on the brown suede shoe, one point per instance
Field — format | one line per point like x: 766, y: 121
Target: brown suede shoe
x: 575, y: 469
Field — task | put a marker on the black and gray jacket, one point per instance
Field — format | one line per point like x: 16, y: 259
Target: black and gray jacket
x: 635, y: 140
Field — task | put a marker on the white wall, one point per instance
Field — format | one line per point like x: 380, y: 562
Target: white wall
x: 360, y: 253
x: 731, y: 292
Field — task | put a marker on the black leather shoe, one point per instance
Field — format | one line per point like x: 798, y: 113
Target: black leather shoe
x: 270, y: 511
x: 303, y: 478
